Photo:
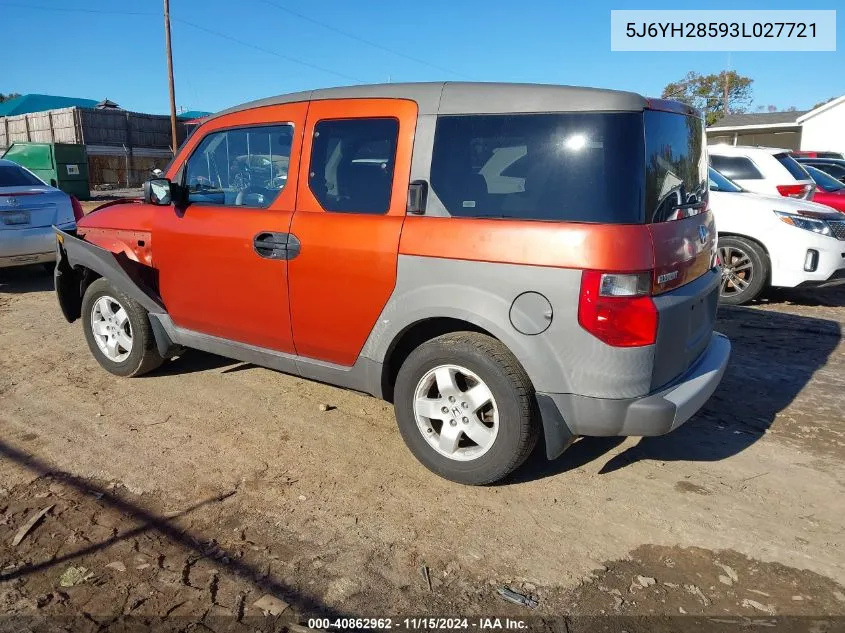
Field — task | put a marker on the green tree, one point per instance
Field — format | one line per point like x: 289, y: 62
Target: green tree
x: 821, y: 103
x: 706, y: 93
x: 7, y: 97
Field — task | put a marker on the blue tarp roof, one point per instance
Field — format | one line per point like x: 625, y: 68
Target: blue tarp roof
x: 193, y: 114
x: 39, y: 103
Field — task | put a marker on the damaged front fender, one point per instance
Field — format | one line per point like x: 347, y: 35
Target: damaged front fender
x: 77, y: 261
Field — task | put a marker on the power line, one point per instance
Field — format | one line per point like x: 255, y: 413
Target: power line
x: 268, y: 51
x: 192, y: 25
x: 362, y: 40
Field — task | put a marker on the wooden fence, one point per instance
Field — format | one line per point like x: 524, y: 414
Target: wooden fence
x: 86, y: 126
x: 122, y: 146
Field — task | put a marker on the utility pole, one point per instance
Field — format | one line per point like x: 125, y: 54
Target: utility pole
x: 726, y: 108
x: 174, y: 142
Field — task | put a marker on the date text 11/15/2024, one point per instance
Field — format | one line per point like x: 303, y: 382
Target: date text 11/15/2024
x: 419, y: 624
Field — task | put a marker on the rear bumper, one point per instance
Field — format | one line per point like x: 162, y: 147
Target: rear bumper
x: 19, y: 247
x: 566, y: 416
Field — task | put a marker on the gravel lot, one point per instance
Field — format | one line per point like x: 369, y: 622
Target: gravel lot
x: 188, y: 494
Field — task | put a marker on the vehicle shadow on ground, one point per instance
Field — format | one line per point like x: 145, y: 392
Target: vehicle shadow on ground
x: 828, y: 297
x: 194, y: 361
x: 774, y: 356
x: 166, y: 526
x: 32, y: 278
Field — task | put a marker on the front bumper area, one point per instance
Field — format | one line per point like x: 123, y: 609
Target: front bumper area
x: 836, y: 279
x: 566, y: 416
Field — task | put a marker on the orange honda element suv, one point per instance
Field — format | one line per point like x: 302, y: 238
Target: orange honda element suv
x: 501, y: 262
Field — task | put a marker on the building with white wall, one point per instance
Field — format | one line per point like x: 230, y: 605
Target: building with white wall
x: 820, y: 129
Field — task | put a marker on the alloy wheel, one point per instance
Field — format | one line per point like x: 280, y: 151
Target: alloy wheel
x: 456, y: 412
x: 737, y: 270
x: 111, y: 328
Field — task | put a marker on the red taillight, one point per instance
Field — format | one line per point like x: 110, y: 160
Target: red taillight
x: 78, y: 213
x: 794, y: 191
x: 616, y: 308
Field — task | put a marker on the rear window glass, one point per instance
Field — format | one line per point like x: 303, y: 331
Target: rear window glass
x: 676, y: 183
x: 792, y: 166
x: 580, y: 167
x: 735, y: 167
x: 11, y: 176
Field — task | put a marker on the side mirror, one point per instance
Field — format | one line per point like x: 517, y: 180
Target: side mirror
x: 158, y: 191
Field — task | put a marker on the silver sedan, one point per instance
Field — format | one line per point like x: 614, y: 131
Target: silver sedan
x: 28, y: 210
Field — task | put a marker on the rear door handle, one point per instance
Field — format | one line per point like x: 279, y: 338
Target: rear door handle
x: 276, y: 245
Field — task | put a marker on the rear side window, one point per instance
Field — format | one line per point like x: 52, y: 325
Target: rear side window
x: 579, y: 167
x: 792, y: 166
x: 352, y: 164
x: 11, y: 176
x: 240, y: 167
x: 675, y: 166
x: 736, y: 167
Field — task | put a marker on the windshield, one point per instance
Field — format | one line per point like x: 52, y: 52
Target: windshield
x: 825, y: 181
x: 719, y: 183
x: 619, y: 168
x: 13, y: 176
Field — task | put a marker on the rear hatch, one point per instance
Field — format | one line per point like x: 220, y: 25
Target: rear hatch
x: 685, y: 287
x: 803, y: 187
x: 25, y: 201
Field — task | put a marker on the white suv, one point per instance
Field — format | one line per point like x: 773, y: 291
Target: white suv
x: 763, y: 170
x: 774, y: 241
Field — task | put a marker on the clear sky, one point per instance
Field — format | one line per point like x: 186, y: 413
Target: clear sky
x: 230, y: 51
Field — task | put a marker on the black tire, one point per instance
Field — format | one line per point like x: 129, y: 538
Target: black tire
x: 510, y: 386
x: 741, y: 252
x: 49, y: 267
x: 144, y: 356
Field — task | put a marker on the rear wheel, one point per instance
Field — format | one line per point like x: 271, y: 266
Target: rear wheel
x: 118, y: 331
x: 466, y: 408
x: 745, y: 269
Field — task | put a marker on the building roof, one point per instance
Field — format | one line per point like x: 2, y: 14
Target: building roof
x: 192, y: 114
x: 39, y: 103
x: 467, y: 97
x: 833, y: 103
x: 759, y: 118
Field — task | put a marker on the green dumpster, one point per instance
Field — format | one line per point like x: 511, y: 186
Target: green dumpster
x: 61, y: 165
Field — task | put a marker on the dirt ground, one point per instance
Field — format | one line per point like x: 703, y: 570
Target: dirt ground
x: 181, y: 498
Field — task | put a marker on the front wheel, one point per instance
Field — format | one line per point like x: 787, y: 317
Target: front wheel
x: 118, y: 331
x: 466, y: 408
x: 745, y: 269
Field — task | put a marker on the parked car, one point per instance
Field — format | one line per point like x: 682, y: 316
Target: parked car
x: 835, y: 168
x: 762, y: 170
x: 829, y: 191
x: 28, y: 210
x: 569, y: 289
x: 767, y: 241
x: 811, y: 154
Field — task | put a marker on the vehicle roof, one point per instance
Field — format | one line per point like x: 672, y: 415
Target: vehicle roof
x: 4, y: 162
x: 745, y: 149
x: 473, y: 97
